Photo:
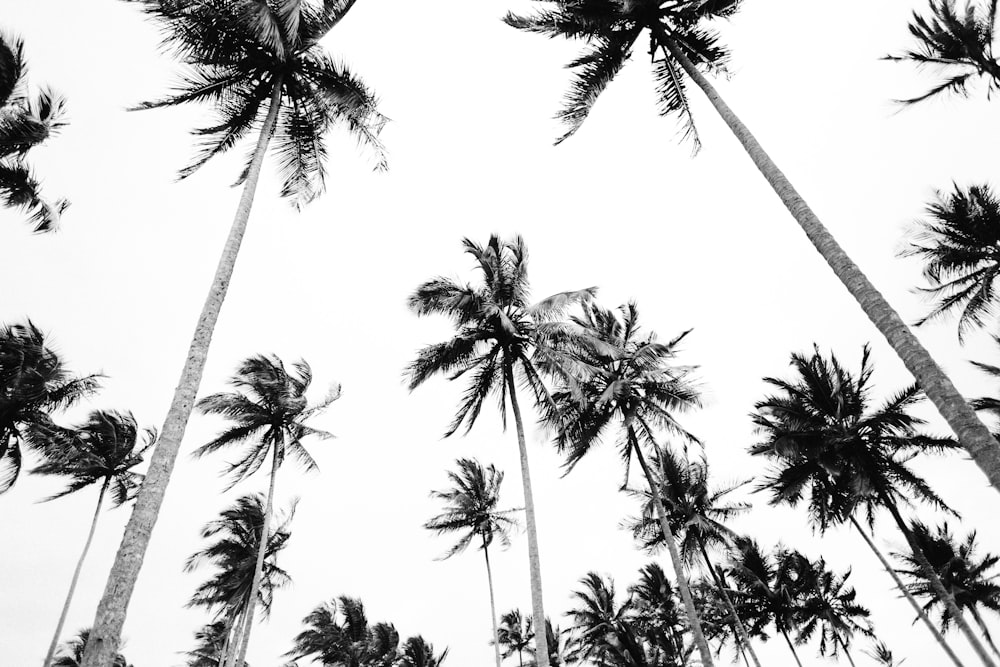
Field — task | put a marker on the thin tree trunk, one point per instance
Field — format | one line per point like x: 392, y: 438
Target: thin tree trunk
x: 110, y: 616
x: 76, y: 575
x: 983, y: 628
x: 939, y: 590
x: 675, y: 558
x: 493, y: 605
x: 227, y: 638
x: 791, y: 648
x: 847, y: 651
x: 942, y: 642
x: 972, y: 433
x: 258, y: 572
x: 534, y: 565
x: 741, y: 630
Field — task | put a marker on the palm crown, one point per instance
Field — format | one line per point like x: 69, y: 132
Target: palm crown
x: 72, y: 652
x: 211, y: 640
x: 242, y: 53
x: 339, y: 634
x: 828, y: 606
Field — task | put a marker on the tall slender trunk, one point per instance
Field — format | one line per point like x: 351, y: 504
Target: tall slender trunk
x: 110, y: 616
x: 972, y: 433
x: 939, y: 590
x: 675, y: 558
x: 76, y: 575
x: 847, y: 651
x: 239, y: 656
x: 741, y: 630
x: 493, y: 604
x: 942, y: 642
x: 791, y: 648
x: 227, y: 637
x: 534, y: 565
x: 983, y: 629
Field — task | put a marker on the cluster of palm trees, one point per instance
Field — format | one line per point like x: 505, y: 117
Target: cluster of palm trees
x: 586, y: 370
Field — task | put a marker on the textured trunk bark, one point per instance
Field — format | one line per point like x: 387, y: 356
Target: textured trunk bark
x: 791, y: 648
x: 741, y: 630
x: 939, y: 590
x: 982, y: 627
x: 675, y: 559
x: 942, y: 642
x: 76, y: 575
x: 110, y: 616
x: 493, y: 605
x: 537, y: 609
x: 972, y: 433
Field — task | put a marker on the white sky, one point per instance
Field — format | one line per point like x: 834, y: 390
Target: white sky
x: 698, y: 243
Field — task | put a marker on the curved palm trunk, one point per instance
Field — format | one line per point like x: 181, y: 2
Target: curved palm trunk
x: 972, y: 433
x: 534, y: 565
x: 110, y: 616
x: 76, y: 576
x: 982, y: 628
x: 675, y: 559
x: 791, y: 648
x: 741, y: 630
x: 942, y: 642
x: 939, y: 590
x: 493, y: 605
x: 239, y: 656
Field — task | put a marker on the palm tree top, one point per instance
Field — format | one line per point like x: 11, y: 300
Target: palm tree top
x: 238, y: 51
x: 72, y: 652
x: 611, y: 29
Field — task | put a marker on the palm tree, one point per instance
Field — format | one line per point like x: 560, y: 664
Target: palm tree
x: 560, y: 647
x: 350, y: 642
x: 34, y: 383
x: 960, y: 42
x: 695, y: 514
x: 500, y: 338
x: 515, y: 635
x: 72, y: 653
x: 416, y: 652
x: 606, y: 633
x: 211, y: 649
x: 964, y: 574
x: 881, y: 654
x: 658, y: 614
x: 261, y: 65
x: 826, y: 442
x: 959, y: 243
x: 633, y: 382
x: 681, y: 42
x: 24, y: 124
x: 103, y: 450
x: 471, y: 507
x: 233, y: 551
x: 268, y: 414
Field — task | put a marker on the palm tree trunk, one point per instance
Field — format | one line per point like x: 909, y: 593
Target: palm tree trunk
x: 675, y: 558
x: 791, y: 648
x: 942, y: 642
x: 534, y: 565
x: 265, y: 533
x: 847, y: 651
x: 972, y: 433
x: 939, y: 590
x: 227, y: 637
x: 76, y: 575
x: 983, y: 628
x: 110, y: 617
x: 741, y: 630
x: 493, y: 605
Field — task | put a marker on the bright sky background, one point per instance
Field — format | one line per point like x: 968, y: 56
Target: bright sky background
x: 699, y: 243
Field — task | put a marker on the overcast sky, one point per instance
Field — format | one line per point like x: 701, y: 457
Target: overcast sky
x: 699, y: 243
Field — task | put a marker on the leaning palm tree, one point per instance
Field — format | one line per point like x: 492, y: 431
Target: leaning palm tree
x: 635, y: 384
x: 500, y: 338
x: 515, y: 635
x: 958, y: 41
x: 101, y: 451
x: 268, y: 412
x: 260, y: 65
x: 683, y: 44
x: 34, y: 383
x: 71, y: 654
x: 964, y: 573
x: 834, y: 453
x: 471, y: 508
x: 235, y: 541
x: 24, y: 124
x: 959, y: 243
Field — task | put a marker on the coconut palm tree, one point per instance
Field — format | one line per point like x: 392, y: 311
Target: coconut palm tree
x: 500, y: 338
x: 102, y: 451
x: 34, y: 383
x: 636, y: 384
x: 260, y: 64
x: 515, y: 635
x: 337, y: 634
x: 71, y: 654
x: 881, y: 654
x: 959, y: 243
x: 604, y: 627
x: 416, y: 652
x: 828, y: 444
x: 24, y: 124
x: 268, y: 412
x: 683, y: 44
x: 658, y: 614
x: 211, y: 647
x: 958, y: 41
x: 561, y: 647
x: 471, y: 508
x: 235, y: 541
x: 963, y: 572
